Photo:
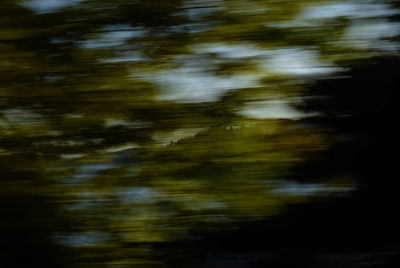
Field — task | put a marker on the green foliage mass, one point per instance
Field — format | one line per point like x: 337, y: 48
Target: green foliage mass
x: 102, y: 132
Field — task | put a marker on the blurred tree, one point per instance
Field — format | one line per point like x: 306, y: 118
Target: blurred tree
x: 126, y: 124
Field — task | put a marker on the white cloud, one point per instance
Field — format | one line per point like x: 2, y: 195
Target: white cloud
x: 350, y: 9
x: 271, y: 109
x: 114, y: 35
x: 48, y: 6
x: 369, y: 34
x: 296, y: 61
x: 193, y: 85
x: 22, y: 117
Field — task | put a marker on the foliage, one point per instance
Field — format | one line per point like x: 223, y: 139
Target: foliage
x: 146, y: 121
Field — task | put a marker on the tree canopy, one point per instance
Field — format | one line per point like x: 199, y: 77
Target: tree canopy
x: 129, y: 123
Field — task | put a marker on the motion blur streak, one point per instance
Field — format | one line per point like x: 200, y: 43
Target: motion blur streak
x: 198, y: 133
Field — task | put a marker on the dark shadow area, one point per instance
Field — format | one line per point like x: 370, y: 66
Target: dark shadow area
x: 360, y: 230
